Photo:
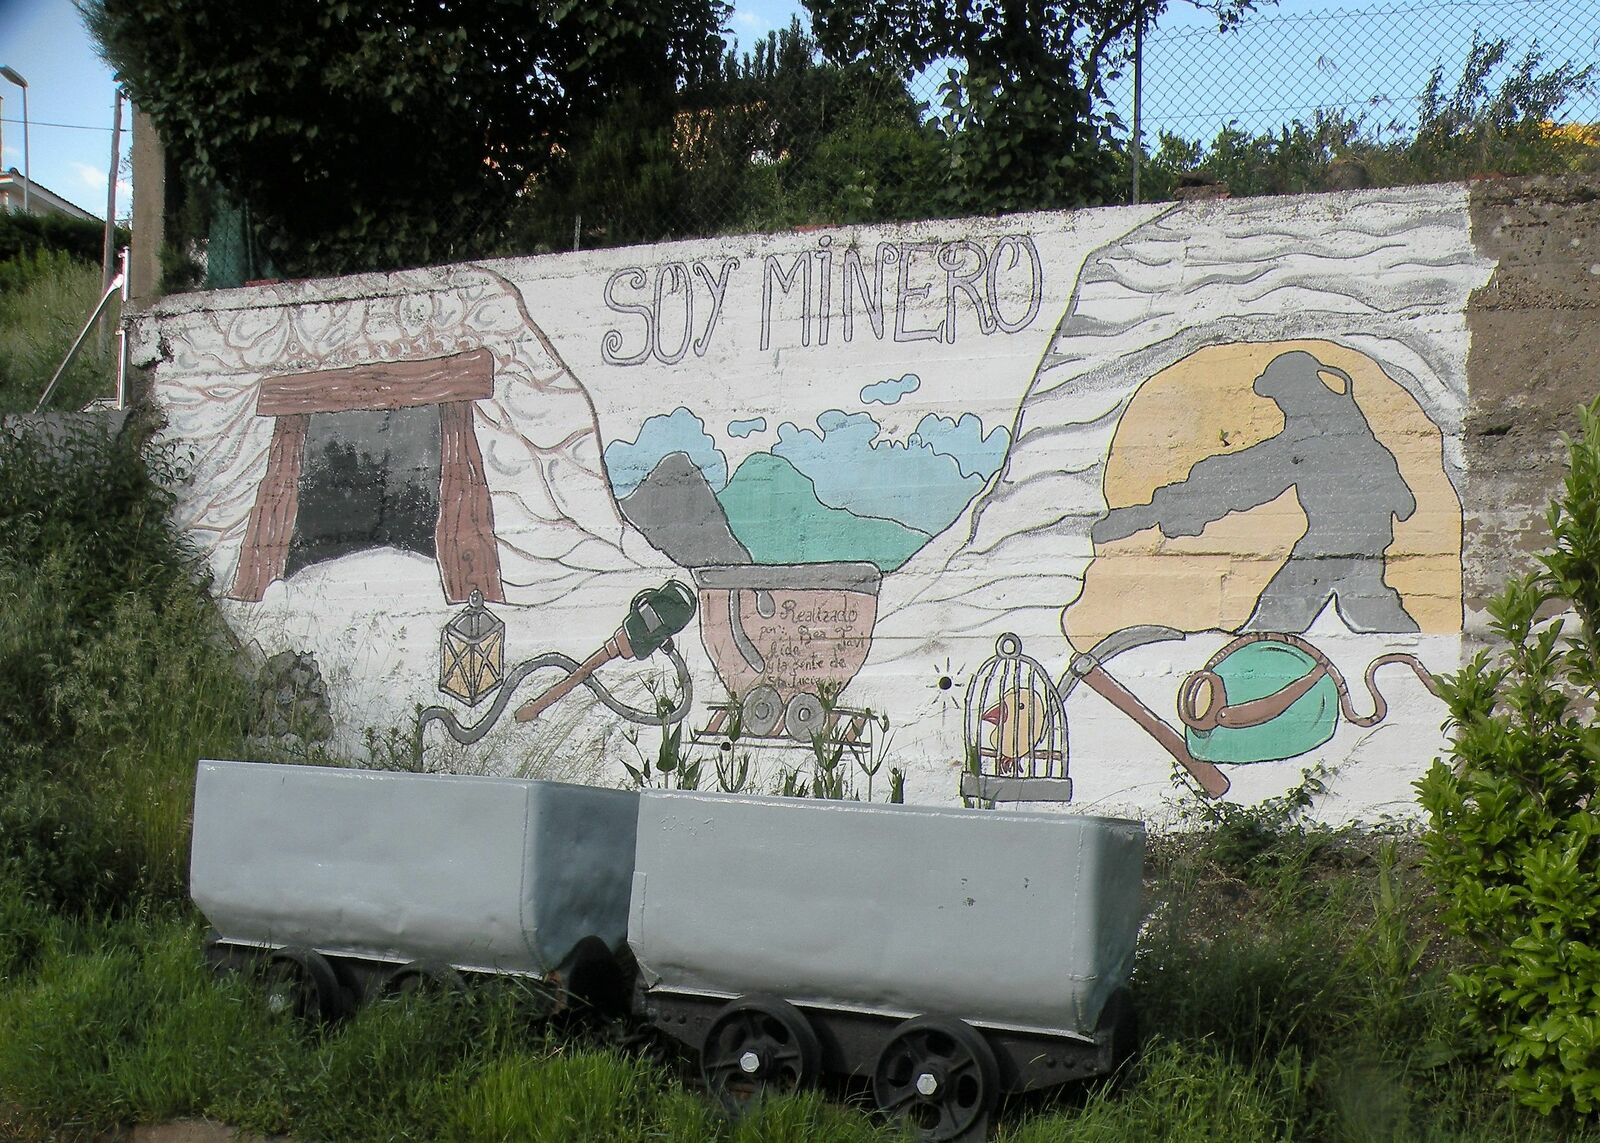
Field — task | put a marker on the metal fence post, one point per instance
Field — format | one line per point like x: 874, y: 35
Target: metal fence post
x: 1138, y: 100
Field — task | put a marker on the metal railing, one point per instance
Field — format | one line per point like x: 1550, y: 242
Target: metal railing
x: 117, y: 287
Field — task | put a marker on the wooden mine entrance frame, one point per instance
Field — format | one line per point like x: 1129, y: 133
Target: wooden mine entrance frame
x: 464, y: 537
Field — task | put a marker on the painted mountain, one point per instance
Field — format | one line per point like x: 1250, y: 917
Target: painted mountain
x: 679, y: 514
x: 774, y: 511
x: 845, y: 490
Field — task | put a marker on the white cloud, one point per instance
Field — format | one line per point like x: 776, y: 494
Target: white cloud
x: 88, y: 177
x: 89, y: 187
x: 753, y: 19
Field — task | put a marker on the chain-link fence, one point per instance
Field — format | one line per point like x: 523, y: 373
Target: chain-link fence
x: 1355, y: 93
x: 805, y: 143
x: 1371, y: 62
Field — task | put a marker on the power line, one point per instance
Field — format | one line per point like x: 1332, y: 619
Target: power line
x: 66, y: 126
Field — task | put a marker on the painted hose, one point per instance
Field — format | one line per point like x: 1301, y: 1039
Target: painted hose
x: 1199, y: 708
x: 467, y: 735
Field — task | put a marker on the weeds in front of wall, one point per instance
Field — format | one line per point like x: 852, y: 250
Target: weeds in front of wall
x: 1273, y: 830
x: 1282, y: 995
x: 672, y: 768
x: 825, y: 774
x: 44, y: 301
x: 972, y: 764
x: 828, y: 776
x: 115, y: 670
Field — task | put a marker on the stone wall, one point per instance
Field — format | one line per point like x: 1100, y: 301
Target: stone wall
x: 1535, y: 358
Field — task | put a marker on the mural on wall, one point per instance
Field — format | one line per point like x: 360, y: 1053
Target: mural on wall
x: 789, y: 551
x: 371, y: 456
x: 1188, y: 479
x: 1296, y: 503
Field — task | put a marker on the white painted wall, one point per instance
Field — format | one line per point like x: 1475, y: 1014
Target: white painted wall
x: 1120, y: 296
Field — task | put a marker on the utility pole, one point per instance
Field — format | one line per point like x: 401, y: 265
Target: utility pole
x: 108, y: 244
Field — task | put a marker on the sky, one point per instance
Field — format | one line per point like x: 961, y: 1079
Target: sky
x: 70, y: 92
x: 71, y: 89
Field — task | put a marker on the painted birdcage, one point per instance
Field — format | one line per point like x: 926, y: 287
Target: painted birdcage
x: 1015, y: 731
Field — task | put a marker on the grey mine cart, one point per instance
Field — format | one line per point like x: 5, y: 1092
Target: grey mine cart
x: 948, y: 955
x: 345, y: 884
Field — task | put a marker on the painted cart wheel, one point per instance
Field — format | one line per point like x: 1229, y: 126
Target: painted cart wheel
x: 758, y: 1045
x: 300, y: 982
x: 761, y: 711
x: 939, y: 1076
x: 802, y: 718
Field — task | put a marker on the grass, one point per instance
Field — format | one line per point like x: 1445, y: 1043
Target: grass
x: 106, y: 1023
x: 1297, y: 994
x: 45, y: 297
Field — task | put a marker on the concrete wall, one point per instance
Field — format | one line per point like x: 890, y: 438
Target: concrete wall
x: 1167, y: 500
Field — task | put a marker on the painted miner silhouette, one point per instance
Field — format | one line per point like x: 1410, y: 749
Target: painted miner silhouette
x: 1349, y: 486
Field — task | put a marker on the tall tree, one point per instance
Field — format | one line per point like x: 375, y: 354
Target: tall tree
x: 370, y: 134
x: 774, y: 137
x: 1023, y: 89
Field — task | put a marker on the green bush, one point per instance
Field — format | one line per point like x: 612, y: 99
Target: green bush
x: 1495, y: 119
x: 1514, y: 840
x: 116, y: 672
x: 25, y: 234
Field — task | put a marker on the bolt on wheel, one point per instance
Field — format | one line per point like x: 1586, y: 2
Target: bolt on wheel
x: 300, y: 983
x: 755, y: 1046
x: 940, y: 1076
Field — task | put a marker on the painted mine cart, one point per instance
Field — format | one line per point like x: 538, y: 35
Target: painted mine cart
x: 785, y: 641
x: 946, y: 955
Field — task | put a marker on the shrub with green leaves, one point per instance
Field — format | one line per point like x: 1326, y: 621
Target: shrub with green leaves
x: 1514, y: 838
x: 116, y: 670
x: 1498, y: 117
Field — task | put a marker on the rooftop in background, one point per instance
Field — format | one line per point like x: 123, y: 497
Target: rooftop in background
x: 40, y: 199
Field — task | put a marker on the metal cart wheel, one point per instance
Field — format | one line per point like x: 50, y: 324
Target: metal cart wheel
x: 802, y: 718
x: 301, y: 983
x: 758, y: 1045
x: 940, y: 1076
x: 761, y: 711
x: 422, y: 976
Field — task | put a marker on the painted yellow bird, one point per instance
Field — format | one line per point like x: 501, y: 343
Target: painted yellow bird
x: 1020, y: 720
